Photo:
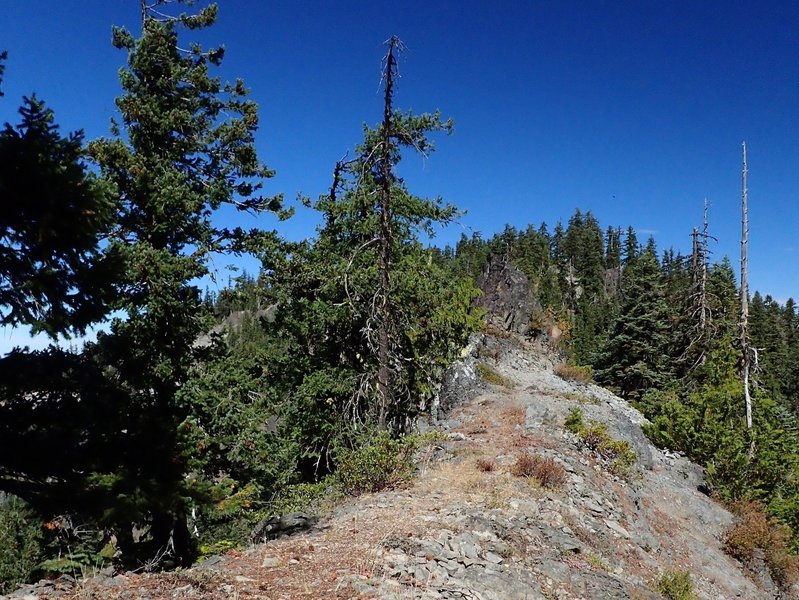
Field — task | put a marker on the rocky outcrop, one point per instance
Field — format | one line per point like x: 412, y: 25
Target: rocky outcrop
x: 274, y: 527
x: 506, y: 296
x: 234, y: 322
x: 468, y: 528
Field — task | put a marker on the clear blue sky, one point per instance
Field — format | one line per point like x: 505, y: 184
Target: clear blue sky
x: 633, y: 110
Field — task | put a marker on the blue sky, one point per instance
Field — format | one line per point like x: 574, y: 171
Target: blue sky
x: 633, y: 110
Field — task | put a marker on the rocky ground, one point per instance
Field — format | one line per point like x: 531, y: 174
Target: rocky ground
x: 467, y: 528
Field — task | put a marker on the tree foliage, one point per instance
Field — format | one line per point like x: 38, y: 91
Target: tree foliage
x: 53, y: 216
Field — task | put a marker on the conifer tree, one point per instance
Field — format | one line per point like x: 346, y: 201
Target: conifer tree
x: 634, y: 357
x: 53, y: 215
x: 632, y: 248
x: 333, y: 301
x: 183, y: 148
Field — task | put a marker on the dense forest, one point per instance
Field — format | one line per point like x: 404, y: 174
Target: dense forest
x: 160, y: 441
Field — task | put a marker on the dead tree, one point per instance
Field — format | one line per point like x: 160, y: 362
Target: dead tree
x: 384, y: 255
x: 704, y: 311
x: 746, y: 362
x: 701, y: 314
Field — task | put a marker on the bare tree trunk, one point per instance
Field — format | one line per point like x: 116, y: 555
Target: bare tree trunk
x: 744, y: 326
x: 384, y: 256
x: 695, y: 258
x: 703, y: 315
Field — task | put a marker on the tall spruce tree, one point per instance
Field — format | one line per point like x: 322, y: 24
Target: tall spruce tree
x: 333, y: 300
x: 184, y: 148
x: 633, y: 359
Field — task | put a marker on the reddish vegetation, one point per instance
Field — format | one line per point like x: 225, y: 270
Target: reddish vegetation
x: 546, y: 471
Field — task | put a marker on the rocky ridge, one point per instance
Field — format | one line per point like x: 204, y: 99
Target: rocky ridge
x: 467, y: 528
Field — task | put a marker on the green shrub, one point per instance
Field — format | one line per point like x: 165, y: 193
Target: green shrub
x: 618, y: 453
x: 228, y: 516
x: 382, y: 462
x: 491, y: 376
x: 75, y: 546
x: 301, y: 497
x: 574, y: 421
x: 676, y: 585
x: 20, y: 543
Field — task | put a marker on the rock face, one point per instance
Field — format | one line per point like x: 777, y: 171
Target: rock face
x: 469, y: 528
x: 461, y: 381
x: 234, y: 321
x: 506, y: 296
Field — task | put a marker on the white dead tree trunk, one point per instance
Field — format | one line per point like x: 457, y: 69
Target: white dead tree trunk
x: 703, y: 307
x: 745, y: 350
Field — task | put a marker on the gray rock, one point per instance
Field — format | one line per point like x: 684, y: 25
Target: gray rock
x: 617, y: 529
x: 270, y: 562
x: 273, y: 527
x: 506, y: 297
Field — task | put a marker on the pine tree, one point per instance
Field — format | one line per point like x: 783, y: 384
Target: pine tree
x: 632, y: 248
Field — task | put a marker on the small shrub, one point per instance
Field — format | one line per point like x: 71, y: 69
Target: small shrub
x: 755, y: 534
x: 618, y: 453
x: 546, y: 471
x: 229, y: 518
x: 525, y: 465
x: 215, y: 548
x: 575, y: 373
x: 574, y: 421
x: 676, y: 585
x: 595, y: 435
x: 381, y: 463
x: 486, y: 465
x: 491, y: 376
x: 597, y: 563
x: 622, y: 457
x: 20, y: 543
x: 301, y: 497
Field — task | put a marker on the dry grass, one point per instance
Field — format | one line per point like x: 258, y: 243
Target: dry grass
x: 492, y: 376
x: 546, y: 471
x: 497, y: 332
x: 486, y: 465
x: 575, y: 373
x: 513, y: 414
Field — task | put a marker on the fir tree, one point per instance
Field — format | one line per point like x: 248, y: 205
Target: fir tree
x: 53, y: 215
x: 634, y: 358
x: 187, y: 148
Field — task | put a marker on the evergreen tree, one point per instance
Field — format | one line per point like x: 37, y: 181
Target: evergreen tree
x: 634, y: 358
x: 53, y: 214
x: 428, y: 318
x: 632, y: 248
x: 187, y: 148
